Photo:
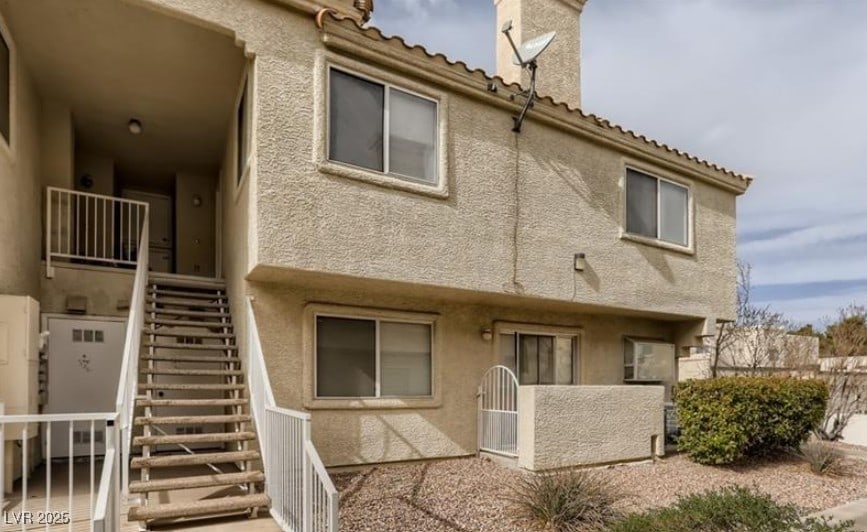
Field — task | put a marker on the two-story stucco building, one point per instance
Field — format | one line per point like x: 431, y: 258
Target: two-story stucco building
x: 370, y: 201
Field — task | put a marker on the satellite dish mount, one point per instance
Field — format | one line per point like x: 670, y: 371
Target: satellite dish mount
x: 525, y: 57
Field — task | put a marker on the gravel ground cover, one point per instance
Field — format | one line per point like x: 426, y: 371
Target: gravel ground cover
x: 471, y: 494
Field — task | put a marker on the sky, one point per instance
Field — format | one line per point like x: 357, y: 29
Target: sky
x: 771, y: 88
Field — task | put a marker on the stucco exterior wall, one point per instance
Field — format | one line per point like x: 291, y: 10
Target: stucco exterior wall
x: 108, y: 290
x: 696, y: 366
x: 20, y: 192
x: 363, y: 431
x: 516, y: 207
x: 565, y: 426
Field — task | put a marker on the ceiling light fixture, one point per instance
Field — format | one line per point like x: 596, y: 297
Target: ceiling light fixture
x: 134, y: 126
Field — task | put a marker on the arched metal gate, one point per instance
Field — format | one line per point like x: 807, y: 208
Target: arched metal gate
x: 498, y: 412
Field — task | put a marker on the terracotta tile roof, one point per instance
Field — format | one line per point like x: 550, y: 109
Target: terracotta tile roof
x: 396, y: 40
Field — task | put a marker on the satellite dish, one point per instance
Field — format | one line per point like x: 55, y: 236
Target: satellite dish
x: 525, y: 57
x: 532, y: 49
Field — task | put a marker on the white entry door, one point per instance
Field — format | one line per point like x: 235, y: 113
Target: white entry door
x: 84, y: 359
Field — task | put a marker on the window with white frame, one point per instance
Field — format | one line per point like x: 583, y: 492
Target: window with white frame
x: 372, y: 357
x: 648, y: 361
x: 657, y: 208
x: 379, y: 127
x: 540, y: 358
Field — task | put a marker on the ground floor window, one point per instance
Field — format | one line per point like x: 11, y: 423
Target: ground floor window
x: 540, y: 358
x: 648, y: 361
x: 372, y: 357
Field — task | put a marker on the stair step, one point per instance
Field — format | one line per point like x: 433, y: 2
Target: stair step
x: 198, y: 508
x: 200, y: 481
x: 185, y: 323
x: 195, y: 347
x: 208, y: 296
x: 188, y: 313
x: 194, y: 372
x: 192, y: 304
x: 213, y: 437
x: 182, y: 334
x: 186, y: 281
x: 192, y: 402
x: 186, y: 386
x: 191, y: 420
x: 194, y: 358
x: 185, y: 459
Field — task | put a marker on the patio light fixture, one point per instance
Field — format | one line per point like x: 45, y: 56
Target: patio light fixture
x: 580, y: 262
x: 487, y: 334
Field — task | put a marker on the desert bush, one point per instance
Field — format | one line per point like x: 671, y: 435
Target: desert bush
x: 565, y: 502
x: 724, y: 420
x: 728, y: 509
x: 823, y: 458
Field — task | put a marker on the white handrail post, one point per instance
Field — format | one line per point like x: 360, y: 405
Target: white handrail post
x: 48, y: 271
x: 113, y: 432
x: 306, y: 481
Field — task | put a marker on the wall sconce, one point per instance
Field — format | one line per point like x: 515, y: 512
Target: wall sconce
x: 487, y: 334
x: 197, y: 201
x: 580, y: 262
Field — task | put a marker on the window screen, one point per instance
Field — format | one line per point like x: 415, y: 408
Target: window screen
x: 5, y: 89
x: 673, y: 204
x: 412, y: 136
x: 405, y: 358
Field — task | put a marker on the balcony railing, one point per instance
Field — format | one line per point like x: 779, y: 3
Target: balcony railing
x: 303, y: 498
x: 85, y: 494
x: 86, y: 228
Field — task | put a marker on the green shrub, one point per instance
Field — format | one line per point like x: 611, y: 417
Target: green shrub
x: 565, y: 502
x: 725, y: 510
x: 823, y: 458
x: 724, y: 420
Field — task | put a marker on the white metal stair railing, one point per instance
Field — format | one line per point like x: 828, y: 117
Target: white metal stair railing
x: 303, y: 498
x: 498, y: 412
x: 127, y: 386
x: 92, y: 229
x: 62, y: 507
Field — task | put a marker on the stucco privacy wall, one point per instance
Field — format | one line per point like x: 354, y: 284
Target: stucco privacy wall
x: 563, y: 192
x: 565, y: 426
x: 20, y: 192
x: 387, y: 430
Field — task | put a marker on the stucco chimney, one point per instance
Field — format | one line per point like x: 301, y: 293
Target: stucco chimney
x: 559, y: 74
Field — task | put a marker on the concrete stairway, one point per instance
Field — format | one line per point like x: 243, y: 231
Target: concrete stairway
x: 197, y: 443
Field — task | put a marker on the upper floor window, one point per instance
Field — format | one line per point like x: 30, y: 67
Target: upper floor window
x: 5, y: 88
x: 242, y: 132
x: 382, y: 128
x: 657, y: 208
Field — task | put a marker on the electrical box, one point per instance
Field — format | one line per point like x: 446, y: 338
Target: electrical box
x: 19, y: 368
